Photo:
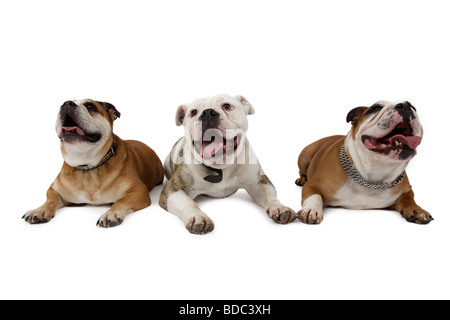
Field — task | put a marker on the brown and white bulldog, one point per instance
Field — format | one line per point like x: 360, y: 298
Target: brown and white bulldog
x: 99, y: 167
x: 366, y: 168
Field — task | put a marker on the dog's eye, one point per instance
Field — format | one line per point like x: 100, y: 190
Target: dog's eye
x: 90, y: 106
x: 376, y: 108
x: 226, y: 107
x: 194, y: 112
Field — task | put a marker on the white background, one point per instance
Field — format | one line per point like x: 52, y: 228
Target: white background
x: 302, y: 64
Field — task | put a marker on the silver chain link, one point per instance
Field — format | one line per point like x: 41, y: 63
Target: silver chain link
x: 353, y: 173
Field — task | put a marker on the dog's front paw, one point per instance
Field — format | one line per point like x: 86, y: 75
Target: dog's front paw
x: 281, y: 214
x: 199, y: 224
x: 416, y: 214
x: 111, y: 219
x: 40, y: 215
x: 311, y: 215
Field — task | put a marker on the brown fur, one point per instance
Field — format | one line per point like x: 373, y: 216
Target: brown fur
x: 179, y: 181
x: 265, y: 180
x: 322, y: 174
x: 124, y: 180
x: 134, y: 163
x: 317, y: 164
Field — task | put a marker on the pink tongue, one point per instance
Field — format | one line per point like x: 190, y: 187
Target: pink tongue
x: 72, y: 129
x: 209, y: 149
x: 411, y: 141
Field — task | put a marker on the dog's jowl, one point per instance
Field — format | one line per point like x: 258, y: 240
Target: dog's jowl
x: 99, y: 167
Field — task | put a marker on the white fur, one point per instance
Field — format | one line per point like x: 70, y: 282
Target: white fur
x: 236, y: 176
x: 312, y: 209
x: 243, y: 171
x: 234, y: 121
x: 373, y: 167
x: 184, y: 208
x: 355, y: 196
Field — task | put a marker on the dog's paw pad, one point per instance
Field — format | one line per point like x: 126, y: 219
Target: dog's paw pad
x: 110, y: 219
x: 416, y: 215
x: 200, y: 225
x: 301, y: 181
x: 282, y: 215
x: 310, y: 215
x: 38, y: 216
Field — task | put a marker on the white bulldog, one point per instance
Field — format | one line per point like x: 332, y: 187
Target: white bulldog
x: 215, y: 159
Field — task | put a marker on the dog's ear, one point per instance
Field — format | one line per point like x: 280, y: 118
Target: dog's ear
x: 247, y: 106
x: 355, y: 114
x: 113, y: 112
x: 181, y: 113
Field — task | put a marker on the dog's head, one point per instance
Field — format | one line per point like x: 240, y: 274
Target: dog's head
x: 215, y: 127
x: 85, y: 127
x: 389, y: 130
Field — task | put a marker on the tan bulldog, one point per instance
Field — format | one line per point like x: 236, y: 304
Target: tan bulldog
x: 366, y: 168
x: 99, y: 167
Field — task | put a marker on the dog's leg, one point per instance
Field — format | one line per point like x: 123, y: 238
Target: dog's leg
x: 303, y: 163
x: 410, y: 210
x: 312, y: 205
x: 46, y: 212
x: 135, y: 199
x: 265, y: 195
x: 195, y: 220
x: 174, y: 199
x: 304, y: 160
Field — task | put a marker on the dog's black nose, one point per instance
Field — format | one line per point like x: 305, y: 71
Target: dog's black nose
x: 406, y: 110
x: 68, y: 104
x: 209, y: 114
x: 405, y: 106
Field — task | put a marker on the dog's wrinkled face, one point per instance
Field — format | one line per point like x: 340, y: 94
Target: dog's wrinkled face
x: 84, y: 127
x: 387, y: 129
x: 215, y: 127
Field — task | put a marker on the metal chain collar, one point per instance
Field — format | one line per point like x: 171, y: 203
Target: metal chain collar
x: 353, y: 173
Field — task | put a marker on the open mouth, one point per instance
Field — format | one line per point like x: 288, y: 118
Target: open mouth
x: 217, y: 147
x: 400, y: 139
x: 71, y: 131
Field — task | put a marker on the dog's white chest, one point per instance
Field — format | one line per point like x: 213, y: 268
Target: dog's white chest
x: 354, y: 196
x: 220, y: 190
x: 84, y: 194
x: 83, y: 197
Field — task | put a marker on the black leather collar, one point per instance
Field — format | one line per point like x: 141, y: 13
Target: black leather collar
x: 214, y: 178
